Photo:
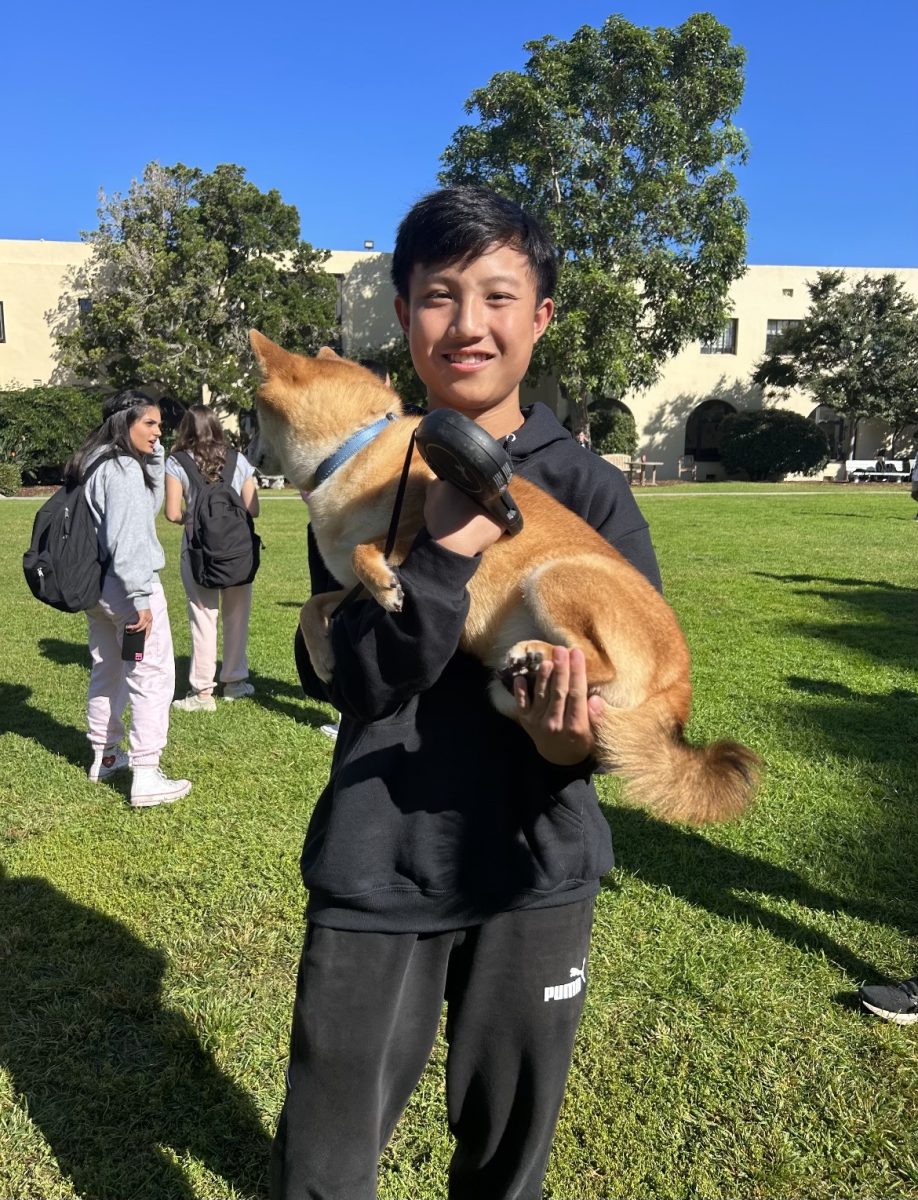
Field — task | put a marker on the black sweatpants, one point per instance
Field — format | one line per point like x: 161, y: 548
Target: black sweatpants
x: 364, y: 1023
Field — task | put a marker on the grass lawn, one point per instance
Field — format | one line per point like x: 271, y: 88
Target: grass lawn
x: 147, y: 958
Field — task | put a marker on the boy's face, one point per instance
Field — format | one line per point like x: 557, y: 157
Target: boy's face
x: 471, y: 329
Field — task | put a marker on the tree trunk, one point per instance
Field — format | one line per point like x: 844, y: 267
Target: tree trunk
x: 852, y: 442
x: 580, y: 410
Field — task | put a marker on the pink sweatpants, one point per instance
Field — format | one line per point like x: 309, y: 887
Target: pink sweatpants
x: 148, y: 685
x: 204, y: 605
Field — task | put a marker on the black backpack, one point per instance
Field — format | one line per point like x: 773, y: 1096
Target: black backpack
x: 223, y: 548
x: 63, y: 565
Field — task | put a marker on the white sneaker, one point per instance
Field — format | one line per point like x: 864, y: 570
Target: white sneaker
x: 151, y: 787
x: 105, y: 765
x: 196, y: 702
x: 238, y: 690
x: 330, y: 731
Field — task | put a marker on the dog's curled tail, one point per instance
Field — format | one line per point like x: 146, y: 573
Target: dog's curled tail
x: 664, y: 773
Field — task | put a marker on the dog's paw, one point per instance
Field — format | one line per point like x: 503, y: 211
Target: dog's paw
x: 391, y: 597
x: 386, y: 591
x: 378, y: 577
x: 524, y: 659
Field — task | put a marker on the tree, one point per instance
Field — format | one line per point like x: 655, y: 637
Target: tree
x: 402, y: 376
x: 40, y: 427
x: 183, y: 266
x: 619, y: 140
x: 613, y: 430
x: 770, y: 443
x: 855, y: 350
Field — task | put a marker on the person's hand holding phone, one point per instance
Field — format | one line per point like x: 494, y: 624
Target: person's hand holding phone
x: 134, y: 638
x: 144, y: 621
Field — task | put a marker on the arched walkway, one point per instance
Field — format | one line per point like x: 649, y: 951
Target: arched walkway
x: 703, y: 430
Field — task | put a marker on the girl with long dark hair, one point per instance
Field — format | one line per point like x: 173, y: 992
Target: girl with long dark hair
x: 201, y: 435
x: 124, y: 496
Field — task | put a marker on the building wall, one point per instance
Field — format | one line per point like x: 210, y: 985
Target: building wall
x: 367, y: 297
x: 34, y: 292
x: 33, y: 278
x: 764, y: 293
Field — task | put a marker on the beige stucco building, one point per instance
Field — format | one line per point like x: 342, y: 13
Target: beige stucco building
x: 678, y: 419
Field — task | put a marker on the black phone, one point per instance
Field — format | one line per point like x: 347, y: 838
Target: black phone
x: 132, y: 644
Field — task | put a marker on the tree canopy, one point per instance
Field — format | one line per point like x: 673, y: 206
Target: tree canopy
x: 855, y: 350
x: 620, y: 140
x: 183, y: 266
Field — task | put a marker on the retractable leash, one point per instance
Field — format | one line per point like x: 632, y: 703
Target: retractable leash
x: 463, y: 454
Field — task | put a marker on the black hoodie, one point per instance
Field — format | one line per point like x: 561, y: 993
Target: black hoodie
x: 439, y: 812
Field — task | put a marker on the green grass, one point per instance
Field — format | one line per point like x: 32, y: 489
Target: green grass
x: 147, y: 959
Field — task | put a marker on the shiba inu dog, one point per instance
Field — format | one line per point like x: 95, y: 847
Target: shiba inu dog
x: 557, y: 583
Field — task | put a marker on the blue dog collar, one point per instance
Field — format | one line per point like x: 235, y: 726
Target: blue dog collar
x: 354, y: 443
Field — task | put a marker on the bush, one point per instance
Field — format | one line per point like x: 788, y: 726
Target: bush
x: 40, y: 427
x: 613, y: 431
x: 10, y: 479
x: 771, y: 443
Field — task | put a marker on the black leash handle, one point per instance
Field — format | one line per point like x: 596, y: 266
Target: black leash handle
x: 393, y: 523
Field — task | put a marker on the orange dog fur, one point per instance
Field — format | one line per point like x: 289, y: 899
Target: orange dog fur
x: 557, y: 582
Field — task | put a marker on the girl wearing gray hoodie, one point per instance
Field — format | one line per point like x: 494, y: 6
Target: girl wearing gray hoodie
x: 124, y: 496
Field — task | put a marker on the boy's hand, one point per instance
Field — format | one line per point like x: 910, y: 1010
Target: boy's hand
x: 457, y: 522
x: 559, y: 716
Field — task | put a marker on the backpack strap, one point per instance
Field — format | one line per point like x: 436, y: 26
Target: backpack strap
x: 192, y: 470
x: 92, y: 468
x: 229, y: 466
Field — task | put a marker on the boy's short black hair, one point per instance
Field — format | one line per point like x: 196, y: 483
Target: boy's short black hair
x: 457, y: 224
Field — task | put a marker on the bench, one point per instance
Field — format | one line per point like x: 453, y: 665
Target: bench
x: 860, y: 470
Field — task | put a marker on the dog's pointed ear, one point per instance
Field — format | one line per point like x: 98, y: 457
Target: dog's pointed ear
x: 264, y: 349
x: 270, y: 357
x: 327, y: 352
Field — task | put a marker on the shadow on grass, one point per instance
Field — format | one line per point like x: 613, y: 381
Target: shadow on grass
x: 19, y: 716
x: 875, y: 727
x: 878, y: 617
x: 720, y: 881
x: 277, y: 695
x: 112, y: 1078
x: 65, y: 654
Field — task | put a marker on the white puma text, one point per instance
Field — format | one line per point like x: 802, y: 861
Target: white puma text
x: 566, y: 991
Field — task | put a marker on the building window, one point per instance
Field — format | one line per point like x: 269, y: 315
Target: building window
x: 725, y: 343
x: 2, y: 325
x: 774, y: 330
x: 85, y: 303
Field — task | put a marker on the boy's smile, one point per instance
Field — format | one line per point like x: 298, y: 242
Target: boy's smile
x: 471, y: 329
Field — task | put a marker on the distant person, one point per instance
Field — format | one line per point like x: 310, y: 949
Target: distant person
x: 201, y: 435
x: 583, y: 439
x: 124, y: 496
x: 915, y: 484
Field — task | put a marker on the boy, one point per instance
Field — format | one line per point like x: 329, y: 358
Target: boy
x: 453, y: 855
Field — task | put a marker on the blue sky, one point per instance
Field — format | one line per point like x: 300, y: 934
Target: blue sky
x: 345, y: 108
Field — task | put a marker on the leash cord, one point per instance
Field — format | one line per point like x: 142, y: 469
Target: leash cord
x: 393, y: 523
